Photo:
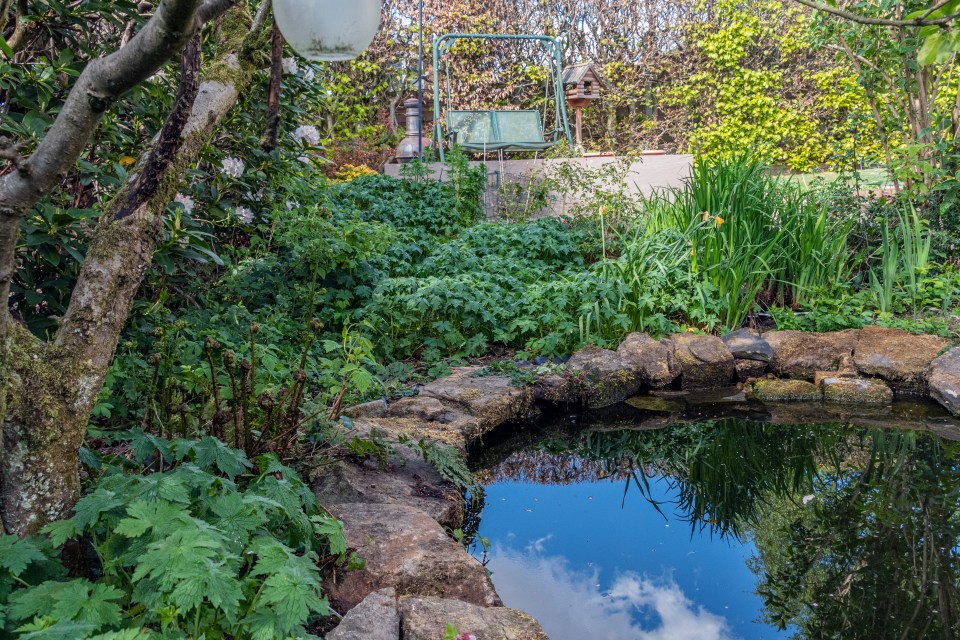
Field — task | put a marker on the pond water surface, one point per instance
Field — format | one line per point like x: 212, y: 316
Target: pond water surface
x: 715, y: 529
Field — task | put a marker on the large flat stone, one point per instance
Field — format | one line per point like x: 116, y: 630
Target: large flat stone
x: 653, y: 360
x: 748, y: 345
x: 375, y: 618
x: 492, y: 400
x: 427, y: 619
x: 901, y: 358
x: 799, y: 354
x: 406, y: 549
x: 945, y: 380
x: 785, y: 391
x: 457, y: 433
x: 704, y: 361
x: 855, y: 390
x: 610, y: 377
x: 408, y: 480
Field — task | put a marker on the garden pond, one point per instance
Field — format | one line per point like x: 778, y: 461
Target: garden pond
x: 720, y: 521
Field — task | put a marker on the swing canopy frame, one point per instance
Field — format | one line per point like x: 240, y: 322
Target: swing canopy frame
x: 500, y: 130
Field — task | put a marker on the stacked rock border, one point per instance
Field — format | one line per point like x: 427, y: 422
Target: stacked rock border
x: 399, y: 514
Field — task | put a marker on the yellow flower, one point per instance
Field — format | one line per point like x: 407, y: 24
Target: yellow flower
x: 719, y: 220
x: 603, y: 209
x: 705, y: 215
x: 127, y: 160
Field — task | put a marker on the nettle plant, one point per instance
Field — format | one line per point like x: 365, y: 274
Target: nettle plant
x: 193, y: 540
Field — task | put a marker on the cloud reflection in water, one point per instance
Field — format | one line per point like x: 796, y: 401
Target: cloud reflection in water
x: 572, y: 606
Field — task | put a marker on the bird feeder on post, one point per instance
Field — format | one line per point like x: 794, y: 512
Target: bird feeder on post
x: 582, y: 84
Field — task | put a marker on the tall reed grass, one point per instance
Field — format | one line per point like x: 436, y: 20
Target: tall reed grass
x: 733, y: 235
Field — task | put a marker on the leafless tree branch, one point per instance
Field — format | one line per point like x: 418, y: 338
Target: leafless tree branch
x: 922, y: 21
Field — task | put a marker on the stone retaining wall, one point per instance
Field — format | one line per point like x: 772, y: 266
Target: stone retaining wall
x: 398, y: 516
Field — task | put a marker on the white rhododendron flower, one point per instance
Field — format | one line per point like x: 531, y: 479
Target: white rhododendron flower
x: 244, y: 215
x: 232, y: 167
x: 290, y: 66
x: 307, y: 133
x: 186, y: 202
x: 308, y: 74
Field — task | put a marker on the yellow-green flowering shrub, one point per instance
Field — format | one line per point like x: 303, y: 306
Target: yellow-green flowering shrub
x: 754, y: 82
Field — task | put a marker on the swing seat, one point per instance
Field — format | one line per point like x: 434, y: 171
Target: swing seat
x: 488, y: 130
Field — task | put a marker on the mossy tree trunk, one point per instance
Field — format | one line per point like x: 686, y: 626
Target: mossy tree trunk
x: 48, y: 389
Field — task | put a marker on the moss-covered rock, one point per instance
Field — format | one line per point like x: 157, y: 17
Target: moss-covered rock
x: 404, y: 548
x: 855, y: 390
x: 405, y: 479
x: 427, y: 619
x: 492, y: 400
x: 376, y: 618
x: 785, y: 391
x: 610, y: 378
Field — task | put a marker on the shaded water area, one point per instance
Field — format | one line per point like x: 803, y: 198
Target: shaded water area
x: 678, y: 519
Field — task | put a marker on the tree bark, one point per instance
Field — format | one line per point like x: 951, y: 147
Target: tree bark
x: 272, y: 127
x: 51, y: 388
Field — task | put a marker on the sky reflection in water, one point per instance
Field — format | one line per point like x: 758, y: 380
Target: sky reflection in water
x: 586, y: 567
x: 850, y: 532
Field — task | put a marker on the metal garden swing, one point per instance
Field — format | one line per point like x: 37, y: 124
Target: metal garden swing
x: 501, y: 131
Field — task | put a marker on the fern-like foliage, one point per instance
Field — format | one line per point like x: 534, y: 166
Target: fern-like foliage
x: 202, y: 549
x: 448, y: 462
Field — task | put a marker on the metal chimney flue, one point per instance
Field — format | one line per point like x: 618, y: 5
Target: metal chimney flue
x: 410, y: 147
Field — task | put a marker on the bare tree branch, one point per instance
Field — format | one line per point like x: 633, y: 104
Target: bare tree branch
x: 929, y: 12
x: 213, y: 9
x: 22, y: 29
x: 122, y: 248
x: 168, y: 142
x: 272, y: 126
x: 261, y: 18
x: 922, y: 21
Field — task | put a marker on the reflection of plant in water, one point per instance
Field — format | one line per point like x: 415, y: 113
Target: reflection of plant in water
x: 858, y: 532
x: 544, y: 467
x: 723, y: 471
x: 875, y: 553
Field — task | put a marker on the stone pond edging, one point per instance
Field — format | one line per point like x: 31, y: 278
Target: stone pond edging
x: 398, y: 513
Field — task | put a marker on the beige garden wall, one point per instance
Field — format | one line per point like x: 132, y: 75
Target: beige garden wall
x: 645, y: 175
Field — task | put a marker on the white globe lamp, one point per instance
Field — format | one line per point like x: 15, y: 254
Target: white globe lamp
x: 328, y: 30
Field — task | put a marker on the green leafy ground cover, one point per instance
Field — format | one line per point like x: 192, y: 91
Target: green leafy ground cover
x: 176, y: 539
x: 348, y: 299
x: 403, y: 271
